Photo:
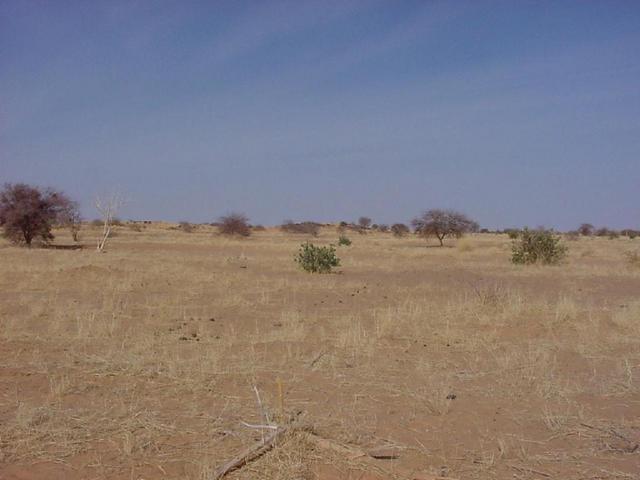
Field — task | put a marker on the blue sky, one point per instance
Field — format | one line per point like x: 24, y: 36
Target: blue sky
x: 515, y: 112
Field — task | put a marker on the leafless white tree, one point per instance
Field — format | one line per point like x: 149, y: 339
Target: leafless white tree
x: 108, y: 206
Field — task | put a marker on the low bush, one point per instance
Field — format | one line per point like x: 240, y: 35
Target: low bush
x: 343, y: 241
x: 315, y: 259
x: 307, y: 228
x: 538, y: 246
x: 186, y: 227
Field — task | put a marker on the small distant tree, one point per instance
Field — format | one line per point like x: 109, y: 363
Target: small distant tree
x: 383, y: 227
x: 399, y: 229
x: 235, y: 224
x: 586, y: 229
x: 71, y: 218
x: 28, y: 213
x: 364, y: 222
x: 108, y: 206
x: 443, y: 223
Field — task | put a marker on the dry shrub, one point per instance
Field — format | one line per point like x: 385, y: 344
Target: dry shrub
x: 464, y: 245
x: 572, y: 236
x: 633, y: 259
x: 186, y: 227
x: 235, y: 224
x: 306, y: 228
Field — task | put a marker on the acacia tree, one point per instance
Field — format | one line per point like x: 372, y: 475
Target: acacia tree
x: 235, y: 224
x: 399, y: 229
x: 443, y: 223
x: 364, y: 222
x: 28, y: 212
x: 586, y: 229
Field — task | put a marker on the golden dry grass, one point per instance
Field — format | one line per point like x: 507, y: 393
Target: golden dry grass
x: 140, y: 362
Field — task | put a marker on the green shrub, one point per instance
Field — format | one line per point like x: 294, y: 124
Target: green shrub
x: 314, y: 259
x: 343, y: 241
x: 537, y: 246
x: 513, y: 233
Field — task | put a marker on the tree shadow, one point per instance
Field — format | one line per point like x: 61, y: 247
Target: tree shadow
x: 63, y: 247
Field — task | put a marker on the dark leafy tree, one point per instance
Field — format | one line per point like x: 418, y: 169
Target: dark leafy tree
x: 28, y: 213
x: 443, y: 223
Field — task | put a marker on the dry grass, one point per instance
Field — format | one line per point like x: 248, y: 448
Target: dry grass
x: 139, y: 363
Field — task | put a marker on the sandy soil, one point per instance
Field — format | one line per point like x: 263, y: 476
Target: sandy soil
x: 140, y: 363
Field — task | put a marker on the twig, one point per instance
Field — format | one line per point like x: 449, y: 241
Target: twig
x: 249, y: 425
x: 265, y: 415
x: 531, y: 470
x: 250, y: 453
x: 317, y: 358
